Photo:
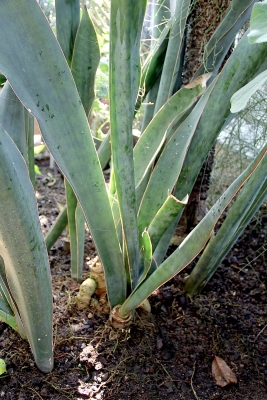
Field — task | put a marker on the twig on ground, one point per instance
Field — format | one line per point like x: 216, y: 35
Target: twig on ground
x: 260, y: 333
x: 191, y: 382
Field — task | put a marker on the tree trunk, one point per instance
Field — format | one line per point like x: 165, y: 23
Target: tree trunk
x: 203, y: 20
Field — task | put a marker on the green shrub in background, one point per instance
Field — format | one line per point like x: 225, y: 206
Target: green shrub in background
x: 133, y: 222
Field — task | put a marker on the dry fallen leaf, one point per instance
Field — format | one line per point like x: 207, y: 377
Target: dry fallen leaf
x: 201, y: 80
x: 222, y: 373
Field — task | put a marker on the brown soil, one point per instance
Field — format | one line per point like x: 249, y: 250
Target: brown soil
x: 164, y: 355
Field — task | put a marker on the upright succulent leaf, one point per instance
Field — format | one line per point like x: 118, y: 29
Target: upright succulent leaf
x: 85, y: 60
x: 244, y: 64
x: 12, y: 118
x: 42, y: 80
x: 249, y: 200
x: 67, y: 22
x: 125, y: 31
x: 68, y: 19
x: 152, y: 139
x: 24, y: 253
x: 9, y: 311
x: 160, y: 15
x: 192, y: 244
x: 169, y: 164
x: 173, y: 54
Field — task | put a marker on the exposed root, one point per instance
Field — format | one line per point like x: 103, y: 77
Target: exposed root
x: 86, y: 291
x: 97, y: 273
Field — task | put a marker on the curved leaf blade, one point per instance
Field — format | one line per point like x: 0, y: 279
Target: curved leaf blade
x: 245, y: 62
x: 67, y: 22
x: 85, y: 60
x: 12, y: 118
x: 164, y: 217
x: 173, y: 53
x: 7, y: 298
x: 24, y: 253
x: 168, y: 167
x: 154, y: 135
x: 249, y: 200
x: 240, y: 99
x: 125, y: 32
x: 43, y: 82
x: 192, y: 245
x: 258, y: 26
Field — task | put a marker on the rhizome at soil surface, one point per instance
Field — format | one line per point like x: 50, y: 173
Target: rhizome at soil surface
x: 163, y: 355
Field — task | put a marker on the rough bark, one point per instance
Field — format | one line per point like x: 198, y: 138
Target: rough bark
x: 203, y: 20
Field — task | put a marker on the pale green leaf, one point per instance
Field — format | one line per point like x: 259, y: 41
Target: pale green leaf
x: 24, y: 253
x: 125, y: 34
x: 43, y: 82
x: 240, y: 99
x: 258, y: 23
x: 2, y: 366
x: 192, y: 244
x: 37, y: 170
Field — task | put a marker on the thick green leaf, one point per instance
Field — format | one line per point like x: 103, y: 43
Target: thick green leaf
x: 76, y: 232
x: 164, y: 243
x: 12, y: 318
x: 240, y: 99
x: 57, y: 228
x: 152, y: 66
x: 164, y: 217
x: 62, y: 220
x: 168, y: 167
x: 68, y: 16
x: 125, y: 31
x: 6, y: 313
x: 149, y: 104
x: 258, y: 26
x: 24, y: 253
x: 245, y: 62
x: 5, y: 309
x: 173, y: 54
x: 29, y: 122
x: 151, y: 141
x: 43, y: 82
x: 67, y: 22
x: 6, y: 317
x: 249, y: 200
x: 146, y: 255
x: 12, y: 118
x: 80, y: 229
x: 192, y: 244
x: 85, y: 60
x: 160, y: 14
x: 104, y: 151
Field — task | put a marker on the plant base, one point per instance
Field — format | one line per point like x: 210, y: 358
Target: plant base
x: 117, y: 320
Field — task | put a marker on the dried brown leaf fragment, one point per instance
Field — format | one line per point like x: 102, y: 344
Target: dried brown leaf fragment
x: 222, y: 373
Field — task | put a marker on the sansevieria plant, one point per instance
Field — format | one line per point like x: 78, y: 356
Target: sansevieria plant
x: 132, y: 223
